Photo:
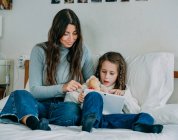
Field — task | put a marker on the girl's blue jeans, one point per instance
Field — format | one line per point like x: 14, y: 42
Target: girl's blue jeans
x: 21, y: 103
x: 93, y: 104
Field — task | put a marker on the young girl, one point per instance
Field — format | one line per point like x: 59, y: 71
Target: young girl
x: 111, y: 71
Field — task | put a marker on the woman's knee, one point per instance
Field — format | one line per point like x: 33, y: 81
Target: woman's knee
x: 25, y: 99
x: 20, y: 93
x: 23, y: 95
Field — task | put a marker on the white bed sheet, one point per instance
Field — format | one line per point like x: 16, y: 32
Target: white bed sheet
x: 21, y: 132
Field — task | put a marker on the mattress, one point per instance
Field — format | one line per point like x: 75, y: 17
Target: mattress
x: 21, y: 132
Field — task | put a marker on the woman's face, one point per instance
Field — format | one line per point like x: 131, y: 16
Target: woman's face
x: 69, y: 37
x: 108, y: 73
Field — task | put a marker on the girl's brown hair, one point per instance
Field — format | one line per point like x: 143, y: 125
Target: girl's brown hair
x: 115, y: 58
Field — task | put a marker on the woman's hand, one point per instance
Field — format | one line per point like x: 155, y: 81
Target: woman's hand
x: 71, y: 86
x: 117, y: 92
x: 81, y: 97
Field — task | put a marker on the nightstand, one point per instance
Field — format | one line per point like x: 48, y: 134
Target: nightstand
x: 6, y: 76
x: 2, y: 89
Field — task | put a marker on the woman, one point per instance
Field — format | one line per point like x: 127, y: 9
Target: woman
x: 59, y: 65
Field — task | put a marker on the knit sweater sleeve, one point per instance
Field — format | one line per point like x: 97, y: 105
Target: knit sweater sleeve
x: 87, y: 64
x: 38, y: 86
x: 36, y: 77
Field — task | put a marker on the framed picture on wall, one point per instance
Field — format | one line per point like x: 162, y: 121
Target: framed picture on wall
x: 55, y: 1
x: 68, y: 1
x: 96, y: 0
x: 5, y: 4
x: 82, y: 1
x: 111, y: 0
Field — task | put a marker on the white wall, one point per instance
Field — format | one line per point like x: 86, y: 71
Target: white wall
x: 132, y: 28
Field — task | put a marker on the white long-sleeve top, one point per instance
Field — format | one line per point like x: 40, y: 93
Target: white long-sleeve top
x: 131, y: 104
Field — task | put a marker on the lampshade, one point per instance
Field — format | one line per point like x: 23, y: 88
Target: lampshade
x: 0, y: 25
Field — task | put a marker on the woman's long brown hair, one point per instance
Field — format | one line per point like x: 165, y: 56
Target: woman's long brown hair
x: 115, y: 58
x: 60, y: 22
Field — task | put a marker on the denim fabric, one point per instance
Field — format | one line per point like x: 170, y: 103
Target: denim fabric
x: 22, y: 103
x: 93, y: 103
x: 19, y: 104
x: 65, y: 114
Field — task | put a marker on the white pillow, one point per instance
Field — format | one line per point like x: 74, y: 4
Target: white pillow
x: 167, y: 114
x: 150, y: 78
x: 131, y: 104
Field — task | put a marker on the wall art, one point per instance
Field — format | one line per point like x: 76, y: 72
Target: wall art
x: 68, y: 1
x: 55, y: 1
x: 5, y: 4
x: 82, y: 1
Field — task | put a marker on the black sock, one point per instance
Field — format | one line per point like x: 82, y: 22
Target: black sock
x: 33, y: 123
x: 43, y: 125
x: 157, y: 128
x: 88, y: 122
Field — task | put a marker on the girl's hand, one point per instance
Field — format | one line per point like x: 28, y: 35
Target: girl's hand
x: 71, y: 86
x: 117, y: 92
x: 81, y: 97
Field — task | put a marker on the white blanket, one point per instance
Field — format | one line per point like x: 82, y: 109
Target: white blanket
x: 21, y: 132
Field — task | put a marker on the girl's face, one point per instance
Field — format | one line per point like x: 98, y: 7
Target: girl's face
x: 108, y: 73
x: 69, y: 37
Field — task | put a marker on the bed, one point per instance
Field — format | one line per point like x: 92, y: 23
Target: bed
x: 158, y: 78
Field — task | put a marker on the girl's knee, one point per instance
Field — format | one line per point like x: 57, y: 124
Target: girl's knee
x: 147, y: 116
x: 93, y: 95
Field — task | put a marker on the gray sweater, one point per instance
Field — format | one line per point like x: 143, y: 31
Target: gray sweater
x: 38, y: 87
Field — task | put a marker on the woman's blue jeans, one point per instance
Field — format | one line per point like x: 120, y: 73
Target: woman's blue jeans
x: 21, y: 103
x: 93, y: 104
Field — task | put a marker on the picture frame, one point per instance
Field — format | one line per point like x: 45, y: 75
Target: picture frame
x: 5, y: 4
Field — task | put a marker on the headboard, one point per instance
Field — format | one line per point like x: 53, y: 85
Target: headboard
x: 175, y: 74
x: 26, y: 73
x: 26, y: 76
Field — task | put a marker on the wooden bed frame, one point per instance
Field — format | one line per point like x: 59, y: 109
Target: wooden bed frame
x: 27, y: 72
